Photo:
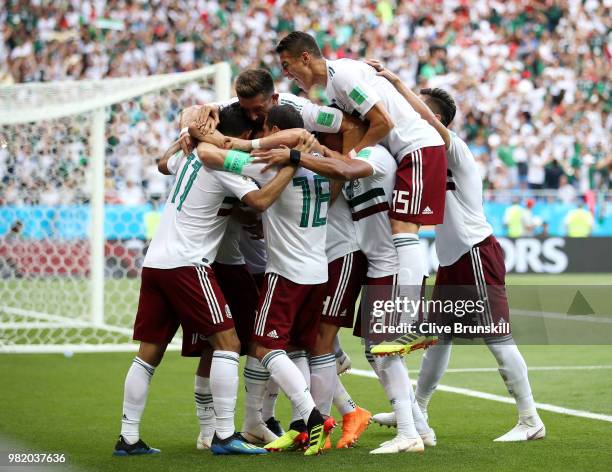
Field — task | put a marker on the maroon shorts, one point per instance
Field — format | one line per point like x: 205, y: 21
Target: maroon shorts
x: 477, y: 281
x: 242, y: 295
x: 186, y: 296
x: 376, y: 290
x: 420, y: 187
x: 288, y: 313
x: 346, y: 276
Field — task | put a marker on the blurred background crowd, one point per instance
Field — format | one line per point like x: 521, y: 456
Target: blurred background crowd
x: 531, y: 79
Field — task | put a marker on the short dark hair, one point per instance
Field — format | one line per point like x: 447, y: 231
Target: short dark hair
x: 441, y: 103
x: 253, y: 82
x: 284, y: 117
x: 297, y: 42
x: 232, y: 121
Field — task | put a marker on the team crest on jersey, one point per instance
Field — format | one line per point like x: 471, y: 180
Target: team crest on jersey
x: 228, y: 313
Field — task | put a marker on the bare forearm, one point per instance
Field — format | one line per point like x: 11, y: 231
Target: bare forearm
x: 269, y: 193
x: 162, y: 165
x: 331, y: 168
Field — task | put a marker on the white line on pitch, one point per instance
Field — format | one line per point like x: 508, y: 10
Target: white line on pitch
x: 498, y: 398
x: 560, y: 316
x: 535, y: 368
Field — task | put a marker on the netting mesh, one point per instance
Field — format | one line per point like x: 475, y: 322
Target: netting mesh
x: 45, y: 217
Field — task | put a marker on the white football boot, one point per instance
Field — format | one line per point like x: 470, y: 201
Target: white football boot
x: 385, y: 419
x: 524, y: 431
x: 258, y: 434
x: 388, y: 420
x: 400, y: 444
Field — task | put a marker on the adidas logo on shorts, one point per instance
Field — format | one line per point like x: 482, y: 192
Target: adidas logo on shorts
x: 427, y: 211
x: 272, y: 334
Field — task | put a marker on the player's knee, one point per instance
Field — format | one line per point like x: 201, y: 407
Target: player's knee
x: 325, y: 339
x: 260, y: 351
x: 226, y: 341
x: 398, y: 226
x: 151, y: 353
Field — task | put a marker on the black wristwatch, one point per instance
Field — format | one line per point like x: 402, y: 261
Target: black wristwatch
x: 295, y: 156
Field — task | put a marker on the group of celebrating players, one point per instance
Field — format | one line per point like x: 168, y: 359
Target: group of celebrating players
x: 340, y: 212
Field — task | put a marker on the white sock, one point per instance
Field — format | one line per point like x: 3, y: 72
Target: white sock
x: 300, y: 359
x: 287, y: 376
x: 255, y: 380
x: 394, y: 378
x: 342, y: 400
x: 323, y: 379
x: 513, y: 370
x: 224, y: 387
x: 434, y: 364
x: 411, y: 259
x: 420, y: 421
x: 270, y: 397
x: 135, y: 394
x: 204, y: 406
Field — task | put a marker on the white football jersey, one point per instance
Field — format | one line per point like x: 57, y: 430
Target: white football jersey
x: 229, y: 251
x: 195, y: 215
x: 254, y: 252
x: 465, y: 223
x: 316, y: 117
x: 341, y: 235
x: 369, y: 199
x: 355, y: 88
x: 295, y: 226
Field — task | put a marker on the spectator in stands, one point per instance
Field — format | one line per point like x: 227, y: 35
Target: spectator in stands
x: 531, y: 78
x: 518, y: 219
x: 567, y: 192
x: 579, y: 222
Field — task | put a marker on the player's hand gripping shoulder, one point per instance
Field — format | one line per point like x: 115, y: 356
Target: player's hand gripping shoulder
x: 382, y: 71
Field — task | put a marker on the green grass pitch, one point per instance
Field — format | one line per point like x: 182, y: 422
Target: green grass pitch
x: 51, y: 403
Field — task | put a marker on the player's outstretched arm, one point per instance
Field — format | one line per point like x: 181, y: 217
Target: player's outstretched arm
x: 287, y: 137
x: 263, y: 198
x: 334, y: 165
x: 162, y: 165
x: 412, y: 98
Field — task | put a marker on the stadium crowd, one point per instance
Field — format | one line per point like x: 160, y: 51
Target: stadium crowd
x: 531, y: 78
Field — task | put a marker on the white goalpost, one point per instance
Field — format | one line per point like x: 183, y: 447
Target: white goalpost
x: 70, y: 249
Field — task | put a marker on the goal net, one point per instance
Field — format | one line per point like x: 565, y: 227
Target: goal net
x: 80, y: 197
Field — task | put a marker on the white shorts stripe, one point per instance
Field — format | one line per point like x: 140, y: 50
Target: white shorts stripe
x: 260, y: 322
x: 419, y: 191
x: 345, y: 275
x: 484, y: 286
x: 209, y: 295
x: 412, y: 193
x: 480, y: 285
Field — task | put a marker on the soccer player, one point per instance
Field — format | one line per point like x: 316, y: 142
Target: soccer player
x: 418, y: 196
x: 369, y: 188
x: 255, y: 96
x: 296, y: 276
x: 347, y: 267
x: 178, y: 287
x: 469, y: 255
